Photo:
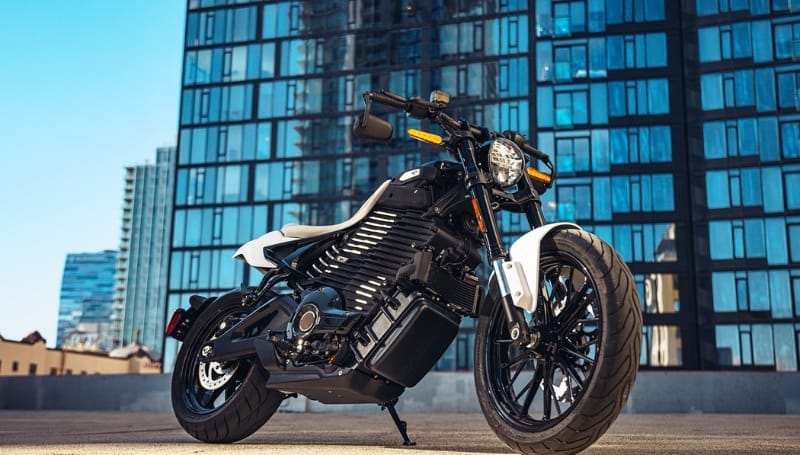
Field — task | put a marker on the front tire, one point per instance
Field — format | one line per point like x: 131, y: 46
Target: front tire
x: 562, y: 394
x: 219, y: 401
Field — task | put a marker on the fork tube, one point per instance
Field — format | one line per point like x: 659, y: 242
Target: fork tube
x: 477, y: 184
x: 478, y: 187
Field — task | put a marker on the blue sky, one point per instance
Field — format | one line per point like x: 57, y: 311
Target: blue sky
x: 87, y: 87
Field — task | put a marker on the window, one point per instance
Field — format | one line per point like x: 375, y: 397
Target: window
x: 570, y: 62
x: 662, y: 346
x: 14, y: 366
x: 741, y: 88
x: 771, y: 345
x: 637, y: 51
x: 205, y: 269
x: 577, y: 150
x: 512, y: 115
x: 789, y: 89
x: 221, y: 26
x: 642, y: 97
x: 764, y: 238
x: 571, y: 108
x: 289, y: 98
x: 282, y: 19
x: 575, y: 200
x: 218, y: 144
x: 642, y: 193
x: 620, y: 11
x: 218, y: 226
x: 742, y: 137
x: 793, y: 226
x: 783, y: 5
x: 787, y: 40
x: 212, y: 185
x: 510, y: 36
x: 733, y: 188
x: 449, y: 41
x: 709, y: 7
x: 772, y: 188
x: 463, y: 80
x: 733, y: 41
x: 32, y: 369
x: 641, y: 145
x: 790, y: 138
x: 572, y: 154
x: 791, y: 182
x: 658, y: 292
x: 754, y: 290
x: 214, y: 104
x: 568, y: 18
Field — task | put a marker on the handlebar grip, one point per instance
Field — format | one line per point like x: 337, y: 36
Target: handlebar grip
x: 389, y: 99
x: 520, y: 141
x: 538, y: 154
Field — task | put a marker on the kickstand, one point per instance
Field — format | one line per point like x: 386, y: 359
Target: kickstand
x: 401, y: 425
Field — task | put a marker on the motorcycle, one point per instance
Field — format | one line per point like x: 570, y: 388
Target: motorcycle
x: 359, y: 311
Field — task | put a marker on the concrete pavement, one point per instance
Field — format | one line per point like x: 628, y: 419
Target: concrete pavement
x: 69, y: 432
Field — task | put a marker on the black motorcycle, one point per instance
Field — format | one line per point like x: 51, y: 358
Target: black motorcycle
x: 358, y: 311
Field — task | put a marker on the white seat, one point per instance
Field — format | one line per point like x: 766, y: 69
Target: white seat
x: 299, y: 231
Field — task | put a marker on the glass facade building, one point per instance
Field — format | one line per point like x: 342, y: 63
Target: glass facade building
x: 674, y: 126
x: 141, y: 281
x: 86, y: 300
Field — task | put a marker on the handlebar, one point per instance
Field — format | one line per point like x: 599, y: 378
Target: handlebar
x: 422, y: 109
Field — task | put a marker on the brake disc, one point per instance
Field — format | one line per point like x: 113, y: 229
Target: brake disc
x: 213, y: 375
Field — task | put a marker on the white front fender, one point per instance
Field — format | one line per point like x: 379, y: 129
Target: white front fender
x: 521, y: 271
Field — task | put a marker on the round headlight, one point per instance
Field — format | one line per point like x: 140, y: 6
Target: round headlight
x: 506, y: 162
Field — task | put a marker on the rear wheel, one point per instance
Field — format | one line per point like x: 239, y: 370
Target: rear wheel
x: 219, y: 401
x: 563, y: 392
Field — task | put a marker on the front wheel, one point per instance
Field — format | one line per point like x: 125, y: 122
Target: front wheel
x: 562, y: 392
x: 219, y: 401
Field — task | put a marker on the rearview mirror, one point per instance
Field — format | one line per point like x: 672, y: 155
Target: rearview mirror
x: 370, y: 127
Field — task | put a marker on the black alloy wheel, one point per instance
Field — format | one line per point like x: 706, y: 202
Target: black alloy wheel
x: 219, y: 401
x: 562, y: 391
x: 536, y: 386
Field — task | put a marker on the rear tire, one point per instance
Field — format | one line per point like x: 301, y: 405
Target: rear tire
x: 563, y: 394
x: 219, y: 402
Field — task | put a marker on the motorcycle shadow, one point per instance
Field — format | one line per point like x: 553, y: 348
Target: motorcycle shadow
x: 462, y: 433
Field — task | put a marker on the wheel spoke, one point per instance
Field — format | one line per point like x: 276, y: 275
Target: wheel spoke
x: 575, y: 354
x: 524, y: 389
x: 583, y: 346
x: 548, y: 392
x: 209, y: 397
x: 555, y: 402
x: 536, y: 381
x: 571, y: 371
x: 576, y: 305
x: 515, y: 361
x: 513, y: 379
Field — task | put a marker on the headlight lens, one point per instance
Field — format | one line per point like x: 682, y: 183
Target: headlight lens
x: 506, y: 162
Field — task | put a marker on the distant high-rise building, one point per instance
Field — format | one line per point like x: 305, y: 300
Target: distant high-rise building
x: 675, y: 127
x: 140, y: 294
x: 87, y: 297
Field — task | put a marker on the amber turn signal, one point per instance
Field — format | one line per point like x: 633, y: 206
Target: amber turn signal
x: 425, y: 136
x: 539, y: 175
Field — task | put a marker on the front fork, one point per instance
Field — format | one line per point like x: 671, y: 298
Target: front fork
x: 479, y: 189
